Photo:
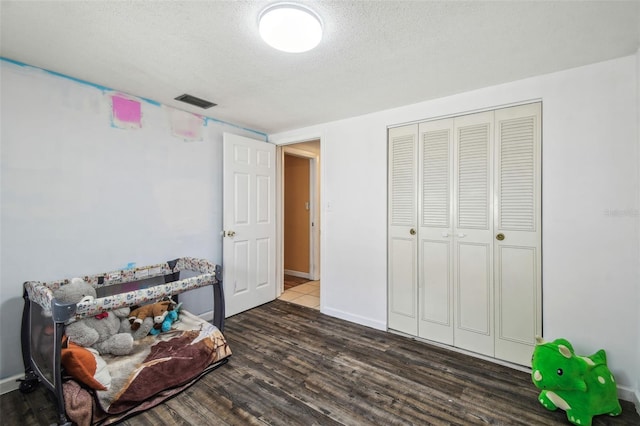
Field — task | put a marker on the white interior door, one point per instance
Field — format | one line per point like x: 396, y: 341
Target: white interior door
x: 473, y: 233
x: 435, y: 247
x: 249, y: 223
x: 518, y: 259
x: 402, y: 238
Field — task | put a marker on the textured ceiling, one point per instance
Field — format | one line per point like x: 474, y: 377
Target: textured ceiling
x: 373, y: 56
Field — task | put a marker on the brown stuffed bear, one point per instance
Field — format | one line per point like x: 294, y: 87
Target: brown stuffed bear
x: 157, y: 311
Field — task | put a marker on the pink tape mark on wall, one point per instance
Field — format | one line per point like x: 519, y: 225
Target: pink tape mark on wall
x: 186, y: 126
x: 126, y: 112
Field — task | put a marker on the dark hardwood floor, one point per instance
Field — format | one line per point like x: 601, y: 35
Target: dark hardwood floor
x: 292, y: 365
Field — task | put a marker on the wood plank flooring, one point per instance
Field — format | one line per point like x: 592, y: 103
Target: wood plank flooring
x: 292, y: 365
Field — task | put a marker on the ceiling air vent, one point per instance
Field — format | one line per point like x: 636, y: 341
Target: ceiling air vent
x: 192, y: 100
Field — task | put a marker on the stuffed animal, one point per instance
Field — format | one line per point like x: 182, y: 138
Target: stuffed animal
x: 142, y: 331
x: 172, y: 316
x: 101, y: 332
x: 582, y: 386
x: 157, y: 311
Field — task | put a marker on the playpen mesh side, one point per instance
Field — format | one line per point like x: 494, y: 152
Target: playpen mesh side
x: 41, y: 341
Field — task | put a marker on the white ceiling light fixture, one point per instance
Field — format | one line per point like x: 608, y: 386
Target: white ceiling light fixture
x: 290, y: 27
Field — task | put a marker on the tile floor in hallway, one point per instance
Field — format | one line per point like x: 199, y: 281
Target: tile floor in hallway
x: 307, y: 294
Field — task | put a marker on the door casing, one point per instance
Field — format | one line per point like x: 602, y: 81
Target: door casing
x: 315, y: 197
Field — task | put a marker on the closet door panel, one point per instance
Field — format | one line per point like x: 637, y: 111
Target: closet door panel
x: 515, y: 298
x: 474, y: 298
x: 402, y: 295
x: 435, y: 282
x: 473, y: 183
x: 473, y: 232
x: 436, y: 292
x: 518, y: 222
x: 402, y: 230
x: 435, y: 155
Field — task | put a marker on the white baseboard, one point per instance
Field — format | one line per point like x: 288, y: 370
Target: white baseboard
x: 206, y: 316
x: 633, y: 397
x: 10, y: 383
x: 628, y: 394
x: 368, y: 322
x: 306, y: 275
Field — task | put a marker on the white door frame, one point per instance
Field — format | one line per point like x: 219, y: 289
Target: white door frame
x: 314, y: 195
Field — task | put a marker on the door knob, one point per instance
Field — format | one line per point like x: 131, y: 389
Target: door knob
x: 412, y: 231
x: 228, y: 233
x: 500, y: 237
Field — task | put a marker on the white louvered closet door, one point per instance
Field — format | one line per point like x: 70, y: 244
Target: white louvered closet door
x: 402, y: 238
x: 470, y: 186
x: 473, y: 233
x: 518, y: 259
x: 435, y: 250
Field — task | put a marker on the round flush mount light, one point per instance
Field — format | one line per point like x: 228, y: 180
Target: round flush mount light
x: 290, y: 27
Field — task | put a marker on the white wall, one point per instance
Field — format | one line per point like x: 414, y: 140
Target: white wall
x: 591, y: 258
x: 80, y: 196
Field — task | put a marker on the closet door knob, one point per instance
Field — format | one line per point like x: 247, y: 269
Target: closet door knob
x: 500, y: 237
x: 412, y: 231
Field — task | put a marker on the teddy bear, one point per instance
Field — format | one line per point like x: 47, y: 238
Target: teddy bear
x: 139, y: 333
x: 101, y: 332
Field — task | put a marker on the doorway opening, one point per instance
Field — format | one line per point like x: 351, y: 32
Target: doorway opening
x: 300, y: 223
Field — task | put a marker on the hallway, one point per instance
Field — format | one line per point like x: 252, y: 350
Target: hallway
x: 305, y: 294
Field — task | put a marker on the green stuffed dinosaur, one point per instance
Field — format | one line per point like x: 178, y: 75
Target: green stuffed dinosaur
x: 582, y: 386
